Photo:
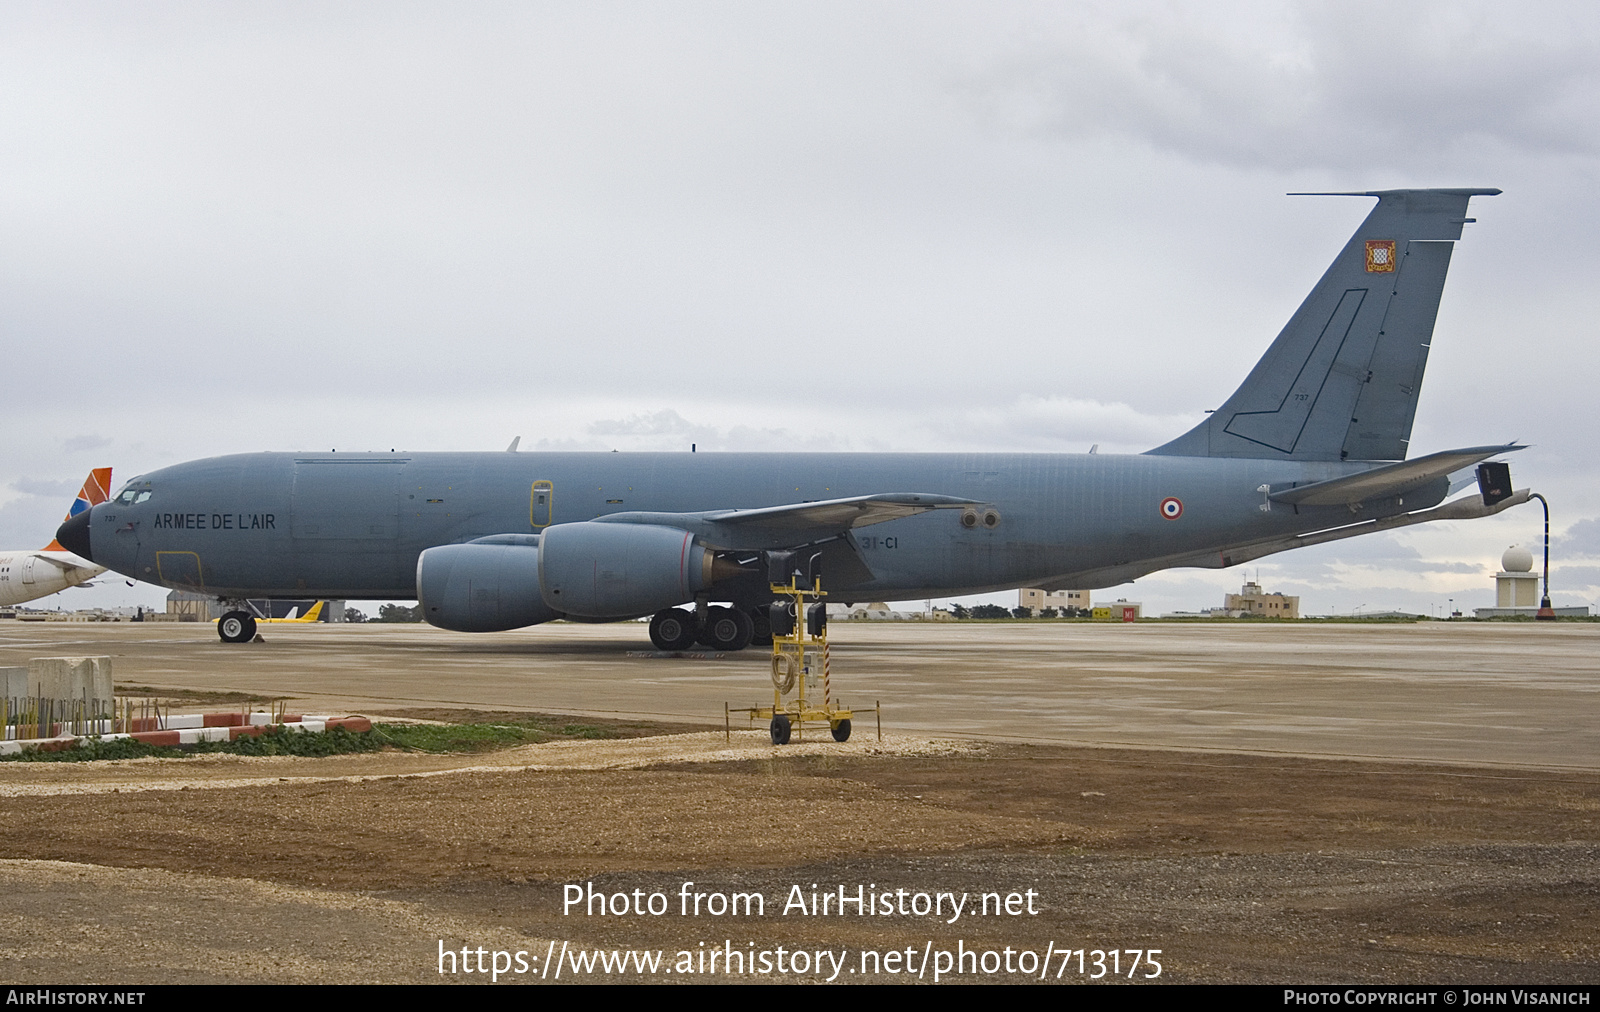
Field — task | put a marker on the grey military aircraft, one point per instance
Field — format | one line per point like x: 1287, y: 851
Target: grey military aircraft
x: 1311, y: 448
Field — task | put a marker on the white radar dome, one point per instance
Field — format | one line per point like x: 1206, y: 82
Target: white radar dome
x: 1516, y: 560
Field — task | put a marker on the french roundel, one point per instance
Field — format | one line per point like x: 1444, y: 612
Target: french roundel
x: 1172, y: 507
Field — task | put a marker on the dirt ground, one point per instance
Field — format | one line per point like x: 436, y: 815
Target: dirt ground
x: 362, y: 868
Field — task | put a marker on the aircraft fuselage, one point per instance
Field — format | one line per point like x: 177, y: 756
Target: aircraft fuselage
x: 26, y: 576
x: 353, y: 525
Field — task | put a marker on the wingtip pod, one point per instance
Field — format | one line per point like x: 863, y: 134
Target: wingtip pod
x: 1472, y: 507
x: 1340, y: 381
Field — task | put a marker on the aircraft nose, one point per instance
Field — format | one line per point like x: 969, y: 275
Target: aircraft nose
x: 74, y: 535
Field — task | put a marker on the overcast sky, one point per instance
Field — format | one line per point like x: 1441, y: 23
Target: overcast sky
x: 235, y: 227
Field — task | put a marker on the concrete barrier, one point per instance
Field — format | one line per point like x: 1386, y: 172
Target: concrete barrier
x: 70, y: 678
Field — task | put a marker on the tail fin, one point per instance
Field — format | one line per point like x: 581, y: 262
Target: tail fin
x: 96, y: 490
x: 1341, y: 380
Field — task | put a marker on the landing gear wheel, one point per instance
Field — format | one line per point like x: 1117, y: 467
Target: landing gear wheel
x: 726, y: 629
x: 780, y: 730
x: 237, y: 627
x: 841, y: 731
x: 672, y: 629
x: 761, y: 627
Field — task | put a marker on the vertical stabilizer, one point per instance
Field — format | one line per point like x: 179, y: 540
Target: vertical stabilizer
x: 96, y: 489
x: 1341, y: 380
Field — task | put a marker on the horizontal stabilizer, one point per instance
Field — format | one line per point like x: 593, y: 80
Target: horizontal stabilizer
x: 66, y: 561
x: 1471, y: 507
x: 1390, y: 480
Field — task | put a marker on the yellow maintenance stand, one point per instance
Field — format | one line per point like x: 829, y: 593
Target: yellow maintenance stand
x: 799, y: 648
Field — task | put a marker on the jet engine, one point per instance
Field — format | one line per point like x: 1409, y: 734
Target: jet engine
x: 486, y: 586
x: 603, y: 571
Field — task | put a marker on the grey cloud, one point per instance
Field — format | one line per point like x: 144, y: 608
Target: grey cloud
x: 1582, y: 538
x: 1358, y: 560
x: 664, y: 422
x: 1061, y: 423
x: 63, y: 490
x: 1465, y: 568
x: 1571, y: 577
x: 1346, y: 86
x: 668, y: 430
x: 85, y: 443
x: 31, y: 521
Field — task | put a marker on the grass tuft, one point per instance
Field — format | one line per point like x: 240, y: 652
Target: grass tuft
x: 338, y: 741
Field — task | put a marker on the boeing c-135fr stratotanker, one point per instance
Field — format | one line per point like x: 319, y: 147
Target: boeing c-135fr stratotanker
x: 1311, y: 448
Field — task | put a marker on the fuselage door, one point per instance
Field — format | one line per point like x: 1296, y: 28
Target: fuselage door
x: 541, y: 504
x: 180, y: 569
x: 27, y: 569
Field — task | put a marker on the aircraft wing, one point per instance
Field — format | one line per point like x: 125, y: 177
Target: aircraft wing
x: 859, y: 511
x: 793, y: 523
x: 1388, y: 480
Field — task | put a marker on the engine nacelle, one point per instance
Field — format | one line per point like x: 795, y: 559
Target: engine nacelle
x: 482, y: 587
x: 608, y: 571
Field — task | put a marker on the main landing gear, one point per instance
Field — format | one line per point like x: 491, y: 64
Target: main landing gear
x: 237, y: 627
x: 725, y: 629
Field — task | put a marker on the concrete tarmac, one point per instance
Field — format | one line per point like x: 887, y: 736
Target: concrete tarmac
x: 1483, y: 693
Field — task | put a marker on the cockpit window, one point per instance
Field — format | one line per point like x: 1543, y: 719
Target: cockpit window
x: 132, y: 496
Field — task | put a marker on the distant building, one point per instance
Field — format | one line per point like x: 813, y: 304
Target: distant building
x: 1516, y: 589
x: 186, y: 606
x: 877, y: 611
x: 1253, y: 601
x: 1037, y: 600
x: 1120, y: 610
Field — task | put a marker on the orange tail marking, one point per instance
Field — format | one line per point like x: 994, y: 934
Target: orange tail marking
x: 96, y: 490
x: 97, y: 487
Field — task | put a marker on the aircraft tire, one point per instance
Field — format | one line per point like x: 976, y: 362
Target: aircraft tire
x: 780, y: 730
x: 237, y: 627
x: 727, y: 629
x: 761, y: 627
x: 672, y: 629
x: 841, y: 731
